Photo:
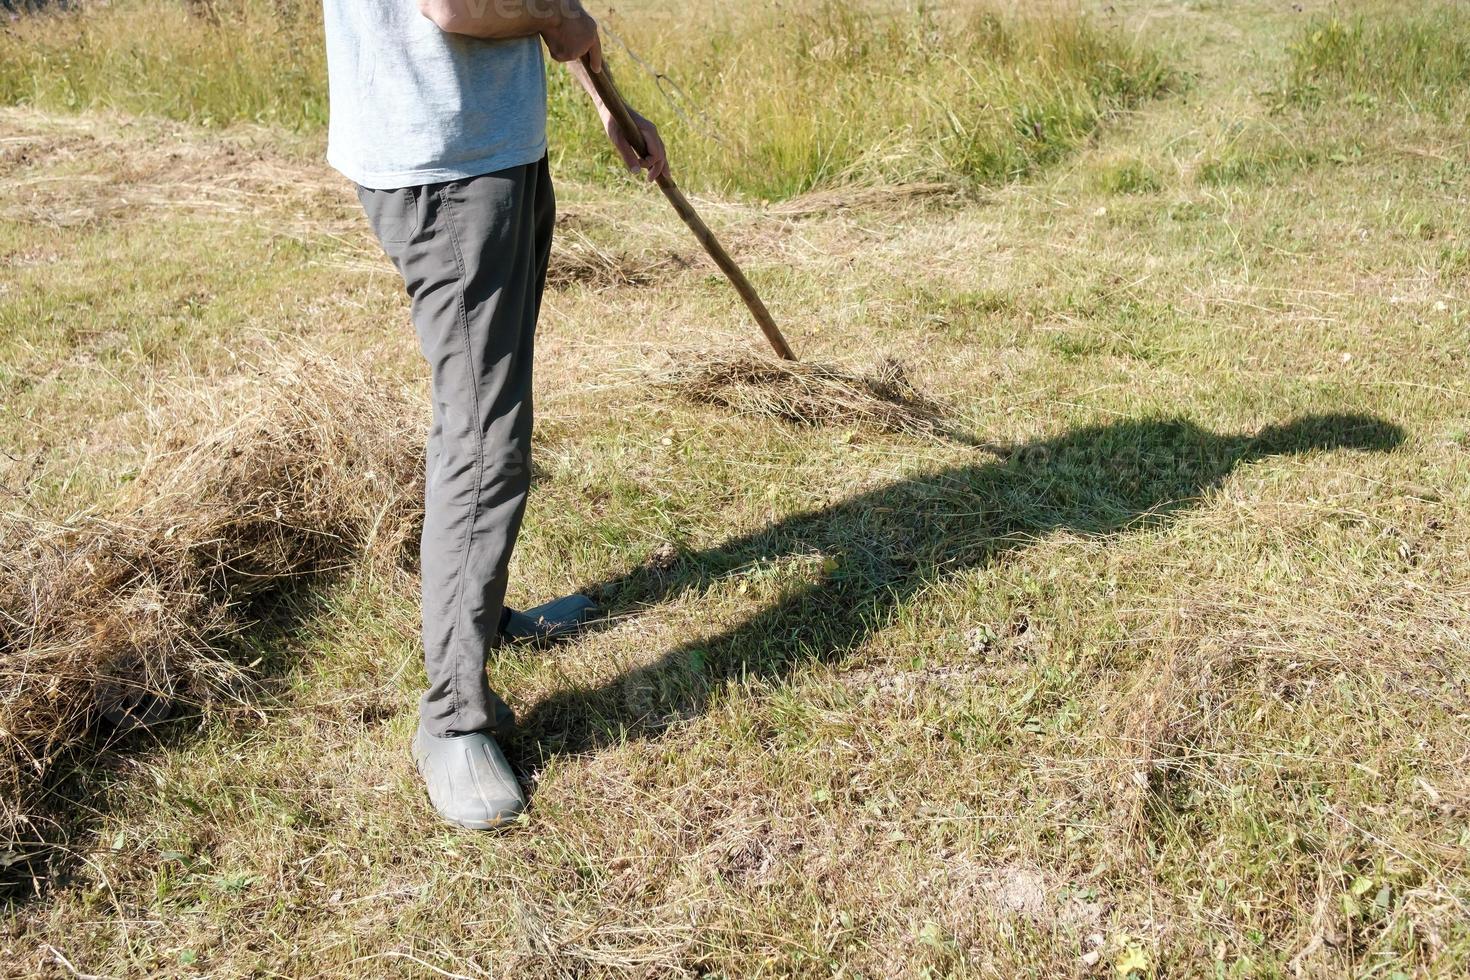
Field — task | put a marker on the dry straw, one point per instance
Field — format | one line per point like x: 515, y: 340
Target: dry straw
x: 577, y: 260
x: 811, y: 394
x: 295, y: 468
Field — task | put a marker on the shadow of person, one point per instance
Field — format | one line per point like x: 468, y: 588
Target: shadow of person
x: 875, y: 551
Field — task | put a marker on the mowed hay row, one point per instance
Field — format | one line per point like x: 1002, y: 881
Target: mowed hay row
x: 811, y: 394
x: 577, y: 260
x: 299, y: 468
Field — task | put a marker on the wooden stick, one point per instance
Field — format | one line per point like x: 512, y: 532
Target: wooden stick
x: 613, y: 100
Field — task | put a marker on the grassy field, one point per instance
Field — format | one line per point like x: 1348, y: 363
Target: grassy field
x: 762, y: 99
x: 1160, y: 674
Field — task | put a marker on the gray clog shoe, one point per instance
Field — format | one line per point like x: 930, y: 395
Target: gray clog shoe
x: 468, y: 779
x: 559, y: 619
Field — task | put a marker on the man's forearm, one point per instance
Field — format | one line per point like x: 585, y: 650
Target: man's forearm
x: 649, y: 153
x: 494, y: 19
x: 579, y: 72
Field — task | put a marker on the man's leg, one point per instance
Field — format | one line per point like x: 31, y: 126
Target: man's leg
x: 473, y: 257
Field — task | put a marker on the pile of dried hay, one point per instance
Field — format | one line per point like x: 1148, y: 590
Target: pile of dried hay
x: 296, y: 469
x: 831, y: 200
x: 811, y: 394
x: 577, y: 260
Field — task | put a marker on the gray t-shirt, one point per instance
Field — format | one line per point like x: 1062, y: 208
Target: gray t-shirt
x: 412, y: 105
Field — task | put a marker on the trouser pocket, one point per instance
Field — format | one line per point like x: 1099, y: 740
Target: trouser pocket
x: 394, y: 214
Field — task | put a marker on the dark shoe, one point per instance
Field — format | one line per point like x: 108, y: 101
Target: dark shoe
x: 559, y: 619
x: 468, y: 779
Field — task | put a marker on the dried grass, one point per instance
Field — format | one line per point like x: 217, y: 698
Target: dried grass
x: 881, y: 197
x: 812, y: 394
x: 295, y: 469
x: 578, y: 260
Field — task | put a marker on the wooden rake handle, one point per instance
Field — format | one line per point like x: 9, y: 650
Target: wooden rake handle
x: 613, y: 100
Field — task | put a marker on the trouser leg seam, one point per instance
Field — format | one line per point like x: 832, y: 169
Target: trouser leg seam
x: 479, y: 440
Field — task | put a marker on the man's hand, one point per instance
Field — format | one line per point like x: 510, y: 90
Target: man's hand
x: 656, y: 163
x: 573, y: 34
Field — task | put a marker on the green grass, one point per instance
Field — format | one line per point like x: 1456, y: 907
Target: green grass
x: 1417, y: 60
x: 778, y: 103
x: 1176, y: 678
x: 259, y: 62
x: 769, y: 102
x: 1259, y: 155
x: 1126, y: 175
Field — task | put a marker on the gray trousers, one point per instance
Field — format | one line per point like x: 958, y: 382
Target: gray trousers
x: 473, y: 257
